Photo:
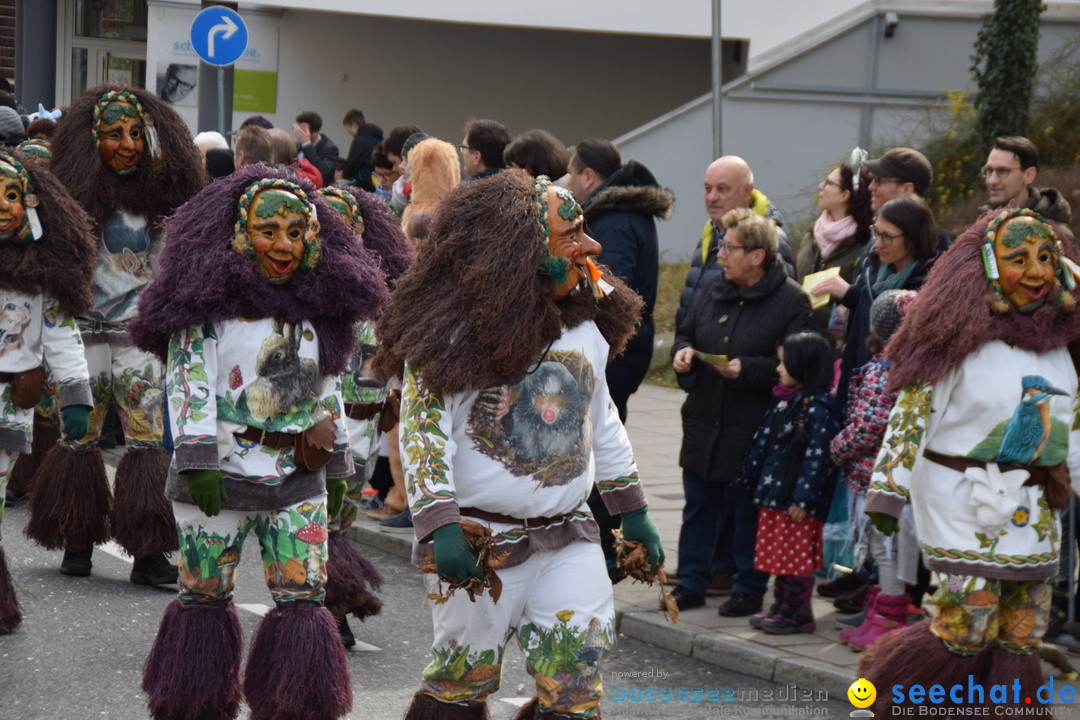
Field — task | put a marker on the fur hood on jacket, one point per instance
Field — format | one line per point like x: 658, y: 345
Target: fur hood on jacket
x: 631, y: 189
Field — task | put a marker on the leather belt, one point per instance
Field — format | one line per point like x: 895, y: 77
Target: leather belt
x: 269, y: 438
x: 960, y: 464
x: 1054, y: 479
x: 362, y: 411
x: 507, y: 519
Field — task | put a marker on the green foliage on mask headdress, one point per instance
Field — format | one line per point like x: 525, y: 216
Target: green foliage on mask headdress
x: 279, y: 202
x: 569, y: 209
x: 343, y: 203
x: 115, y: 112
x: 288, y: 197
x: 1017, y: 233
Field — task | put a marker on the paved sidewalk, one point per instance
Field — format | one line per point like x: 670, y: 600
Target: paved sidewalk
x: 818, y: 660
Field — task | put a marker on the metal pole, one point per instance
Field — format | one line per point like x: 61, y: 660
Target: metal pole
x: 717, y: 79
x: 221, y: 101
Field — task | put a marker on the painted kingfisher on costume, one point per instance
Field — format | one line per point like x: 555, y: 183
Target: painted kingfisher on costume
x: 1029, y: 428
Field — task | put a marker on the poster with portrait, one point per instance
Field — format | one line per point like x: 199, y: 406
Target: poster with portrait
x: 174, y: 65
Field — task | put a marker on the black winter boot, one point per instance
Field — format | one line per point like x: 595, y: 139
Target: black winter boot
x: 796, y: 615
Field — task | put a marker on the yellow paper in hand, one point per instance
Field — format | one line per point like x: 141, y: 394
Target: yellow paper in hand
x: 710, y: 358
x: 813, y: 280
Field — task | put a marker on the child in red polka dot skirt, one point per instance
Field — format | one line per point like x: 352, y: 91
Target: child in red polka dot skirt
x: 789, y: 468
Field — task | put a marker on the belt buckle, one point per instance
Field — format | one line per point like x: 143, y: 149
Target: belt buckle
x: 262, y: 436
x: 525, y: 523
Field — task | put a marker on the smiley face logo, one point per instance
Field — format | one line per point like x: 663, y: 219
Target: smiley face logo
x: 862, y: 693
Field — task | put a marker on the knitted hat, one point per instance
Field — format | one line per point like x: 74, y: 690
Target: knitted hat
x: 888, y: 310
x: 12, y: 131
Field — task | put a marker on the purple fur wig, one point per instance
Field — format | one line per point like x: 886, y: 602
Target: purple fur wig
x: 382, y: 235
x: 952, y: 316
x: 200, y: 278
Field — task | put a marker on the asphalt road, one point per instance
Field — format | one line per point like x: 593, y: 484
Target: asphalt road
x: 79, y: 652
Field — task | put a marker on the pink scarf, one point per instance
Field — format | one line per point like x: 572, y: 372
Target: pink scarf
x: 829, y: 233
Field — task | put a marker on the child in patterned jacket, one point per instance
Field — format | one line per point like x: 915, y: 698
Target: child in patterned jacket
x: 855, y: 449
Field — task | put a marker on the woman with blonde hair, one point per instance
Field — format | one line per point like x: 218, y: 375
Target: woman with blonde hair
x: 434, y: 169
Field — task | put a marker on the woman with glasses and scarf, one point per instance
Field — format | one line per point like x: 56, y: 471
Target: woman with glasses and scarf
x: 838, y: 237
x: 904, y: 245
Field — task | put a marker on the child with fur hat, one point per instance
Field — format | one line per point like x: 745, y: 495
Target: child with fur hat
x: 854, y: 449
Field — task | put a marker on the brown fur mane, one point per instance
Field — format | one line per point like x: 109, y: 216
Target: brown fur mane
x: 60, y: 264
x: 952, y: 316
x: 474, y: 310
x: 154, y: 190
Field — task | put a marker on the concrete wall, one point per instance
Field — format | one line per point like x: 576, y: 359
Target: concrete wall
x: 797, y: 118
x: 436, y: 75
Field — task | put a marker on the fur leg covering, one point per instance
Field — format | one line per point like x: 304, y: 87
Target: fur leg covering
x: 350, y: 580
x: 193, y: 672
x: 425, y: 707
x: 1001, y: 667
x: 45, y: 436
x: 297, y: 668
x: 69, y: 502
x: 142, y: 519
x: 10, y: 612
x: 913, y: 655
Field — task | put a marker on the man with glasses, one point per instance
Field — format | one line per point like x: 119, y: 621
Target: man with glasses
x: 482, y: 149
x: 1011, y: 168
x: 902, y: 171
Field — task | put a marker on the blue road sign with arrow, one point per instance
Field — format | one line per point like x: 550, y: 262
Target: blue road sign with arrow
x: 219, y: 35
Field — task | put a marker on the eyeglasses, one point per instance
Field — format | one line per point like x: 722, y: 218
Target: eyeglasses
x: 885, y: 238
x: 730, y: 247
x: 875, y: 180
x: 827, y: 181
x: 1000, y: 172
x: 465, y: 147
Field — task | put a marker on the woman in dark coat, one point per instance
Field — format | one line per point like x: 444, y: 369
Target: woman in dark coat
x: 743, y: 315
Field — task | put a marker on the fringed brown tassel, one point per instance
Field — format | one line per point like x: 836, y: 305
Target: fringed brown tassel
x: 45, y: 436
x: 142, y: 519
x: 912, y: 655
x: 297, y: 667
x: 69, y: 502
x: 425, y: 707
x: 1001, y: 667
x: 10, y: 612
x: 350, y: 580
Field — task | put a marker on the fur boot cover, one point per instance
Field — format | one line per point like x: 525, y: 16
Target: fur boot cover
x: 45, y: 436
x: 1001, y: 667
x: 142, y: 519
x: 297, y: 669
x: 193, y: 672
x: 913, y: 655
x: 10, y: 612
x: 425, y: 707
x: 351, y: 580
x: 69, y: 504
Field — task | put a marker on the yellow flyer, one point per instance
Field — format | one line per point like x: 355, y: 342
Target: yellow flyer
x: 813, y: 280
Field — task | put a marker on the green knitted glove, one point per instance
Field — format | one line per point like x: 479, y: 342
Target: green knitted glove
x: 637, y: 526
x: 207, y: 489
x: 76, y: 422
x: 454, y: 558
x: 884, y: 524
x: 335, y: 495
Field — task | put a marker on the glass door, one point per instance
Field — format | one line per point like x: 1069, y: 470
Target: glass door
x: 105, y: 42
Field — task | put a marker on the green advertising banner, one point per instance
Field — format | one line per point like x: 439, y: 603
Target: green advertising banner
x: 255, y: 91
